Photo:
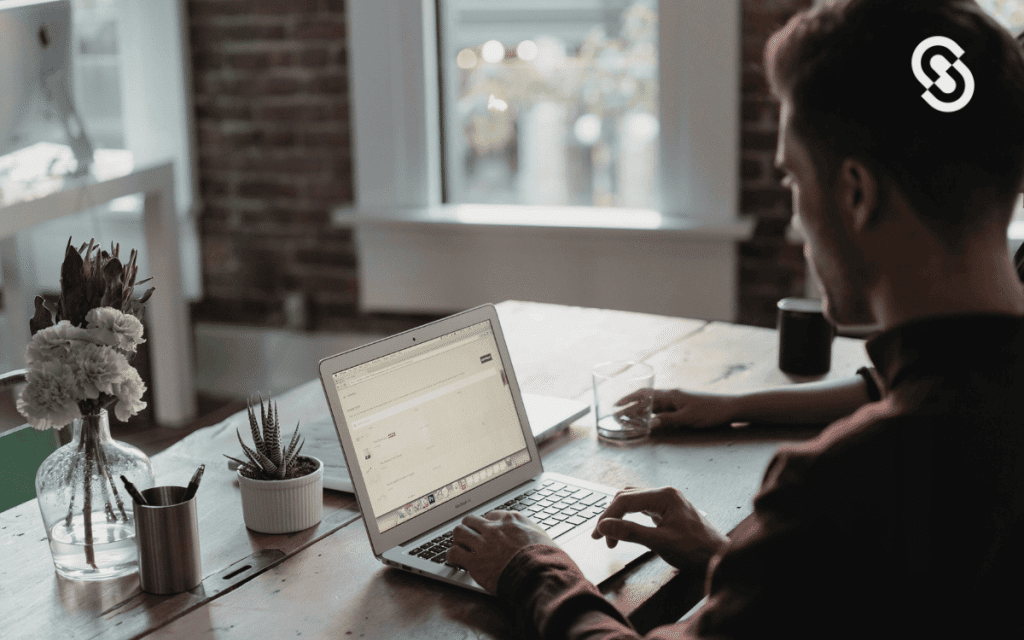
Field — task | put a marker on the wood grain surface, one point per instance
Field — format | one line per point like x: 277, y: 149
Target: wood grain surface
x: 37, y: 603
x: 325, y: 583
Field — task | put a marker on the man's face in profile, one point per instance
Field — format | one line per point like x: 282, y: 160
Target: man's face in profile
x: 830, y: 254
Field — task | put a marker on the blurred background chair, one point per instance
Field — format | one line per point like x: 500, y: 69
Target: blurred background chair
x: 22, y: 450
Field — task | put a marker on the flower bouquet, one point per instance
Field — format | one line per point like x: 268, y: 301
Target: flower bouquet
x: 77, y: 368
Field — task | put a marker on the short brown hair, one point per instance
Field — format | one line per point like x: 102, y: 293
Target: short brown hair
x: 846, y: 70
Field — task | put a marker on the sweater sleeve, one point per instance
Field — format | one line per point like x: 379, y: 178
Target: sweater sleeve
x: 765, y: 583
x: 542, y: 585
x: 549, y: 596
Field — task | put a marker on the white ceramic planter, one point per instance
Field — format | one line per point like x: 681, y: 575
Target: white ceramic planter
x: 283, y: 506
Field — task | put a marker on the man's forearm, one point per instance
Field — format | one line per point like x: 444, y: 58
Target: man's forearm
x: 546, y: 591
x: 544, y: 588
x: 807, y: 403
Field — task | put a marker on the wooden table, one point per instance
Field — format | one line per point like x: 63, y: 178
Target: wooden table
x: 325, y: 583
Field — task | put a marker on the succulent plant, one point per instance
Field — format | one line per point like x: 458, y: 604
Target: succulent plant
x: 270, y: 460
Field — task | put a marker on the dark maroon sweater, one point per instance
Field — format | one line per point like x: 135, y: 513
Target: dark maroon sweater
x: 903, y: 520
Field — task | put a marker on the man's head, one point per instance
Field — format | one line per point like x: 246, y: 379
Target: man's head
x: 858, y: 140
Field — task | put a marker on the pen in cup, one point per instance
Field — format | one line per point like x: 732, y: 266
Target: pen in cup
x: 133, y: 492
x: 193, y: 484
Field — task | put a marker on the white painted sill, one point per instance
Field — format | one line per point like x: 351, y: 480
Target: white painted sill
x: 449, y: 257
x: 575, y: 221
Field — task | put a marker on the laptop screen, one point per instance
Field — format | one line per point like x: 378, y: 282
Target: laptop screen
x: 431, y: 422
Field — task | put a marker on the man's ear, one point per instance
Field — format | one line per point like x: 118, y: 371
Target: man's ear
x: 859, y: 194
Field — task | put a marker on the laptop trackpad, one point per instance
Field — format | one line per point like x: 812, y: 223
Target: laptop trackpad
x: 595, y: 559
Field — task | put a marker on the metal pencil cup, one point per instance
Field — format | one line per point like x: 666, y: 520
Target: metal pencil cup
x: 167, y: 534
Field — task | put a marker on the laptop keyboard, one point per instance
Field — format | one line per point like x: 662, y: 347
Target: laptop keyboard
x: 556, y: 507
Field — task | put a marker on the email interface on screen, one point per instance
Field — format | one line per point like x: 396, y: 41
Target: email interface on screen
x: 431, y: 422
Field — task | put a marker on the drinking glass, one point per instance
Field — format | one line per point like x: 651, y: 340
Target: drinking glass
x: 613, y: 381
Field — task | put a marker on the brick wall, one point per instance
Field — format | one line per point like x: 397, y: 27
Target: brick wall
x: 272, y: 113
x: 770, y: 268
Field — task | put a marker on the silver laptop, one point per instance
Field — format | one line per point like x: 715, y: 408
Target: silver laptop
x: 548, y: 417
x: 433, y: 428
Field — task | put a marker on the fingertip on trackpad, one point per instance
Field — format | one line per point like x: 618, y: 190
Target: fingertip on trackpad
x: 640, y: 518
x: 596, y: 560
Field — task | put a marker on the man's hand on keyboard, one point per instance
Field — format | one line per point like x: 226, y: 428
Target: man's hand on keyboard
x: 681, y: 535
x: 483, y: 546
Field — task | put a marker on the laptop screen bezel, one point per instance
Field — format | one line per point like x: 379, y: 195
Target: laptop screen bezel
x: 382, y: 541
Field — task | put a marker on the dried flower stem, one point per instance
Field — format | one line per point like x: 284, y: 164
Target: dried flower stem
x: 74, y: 487
x: 90, y: 552
x: 107, y: 480
x: 92, y: 454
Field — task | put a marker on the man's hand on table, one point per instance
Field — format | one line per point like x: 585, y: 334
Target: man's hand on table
x: 681, y: 535
x: 674, y: 408
x: 483, y: 546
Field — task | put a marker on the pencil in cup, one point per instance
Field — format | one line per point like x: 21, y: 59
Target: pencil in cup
x: 132, y: 491
x: 193, y: 484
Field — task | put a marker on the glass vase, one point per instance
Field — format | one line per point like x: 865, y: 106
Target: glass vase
x: 87, y: 512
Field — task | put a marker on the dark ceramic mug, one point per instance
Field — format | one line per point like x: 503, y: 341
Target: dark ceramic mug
x: 805, y: 337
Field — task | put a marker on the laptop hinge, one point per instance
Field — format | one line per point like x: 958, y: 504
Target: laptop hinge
x: 448, y: 524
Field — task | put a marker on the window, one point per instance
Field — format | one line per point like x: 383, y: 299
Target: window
x: 393, y: 47
x: 421, y: 252
x: 133, y: 96
x: 551, y: 103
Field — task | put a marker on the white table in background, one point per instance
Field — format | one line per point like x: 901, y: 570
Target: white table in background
x: 170, y: 338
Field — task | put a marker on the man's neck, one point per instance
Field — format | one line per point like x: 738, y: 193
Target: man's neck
x: 983, y: 280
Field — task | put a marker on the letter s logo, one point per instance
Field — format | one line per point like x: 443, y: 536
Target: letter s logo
x: 948, y: 83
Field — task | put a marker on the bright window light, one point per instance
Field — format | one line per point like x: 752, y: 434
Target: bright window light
x: 492, y: 51
x: 527, y: 50
x: 570, y: 118
x: 466, y: 59
x: 588, y: 128
x: 549, y: 216
x: 496, y: 104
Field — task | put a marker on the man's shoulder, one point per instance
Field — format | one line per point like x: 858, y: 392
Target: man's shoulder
x: 867, y: 432
x: 961, y: 406
x: 866, y: 451
x: 961, y: 430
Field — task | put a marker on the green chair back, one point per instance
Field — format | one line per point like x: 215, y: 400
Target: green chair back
x: 22, y: 450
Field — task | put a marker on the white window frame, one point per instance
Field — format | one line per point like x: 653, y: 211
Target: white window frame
x: 395, y: 97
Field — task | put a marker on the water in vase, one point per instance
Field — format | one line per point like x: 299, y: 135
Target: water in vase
x: 113, y: 549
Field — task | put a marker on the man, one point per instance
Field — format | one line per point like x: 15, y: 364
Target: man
x: 902, y: 140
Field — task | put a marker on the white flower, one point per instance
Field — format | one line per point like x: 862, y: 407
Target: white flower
x: 114, y: 328
x: 54, y: 343
x: 129, y: 395
x: 96, y: 369
x: 48, y: 400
